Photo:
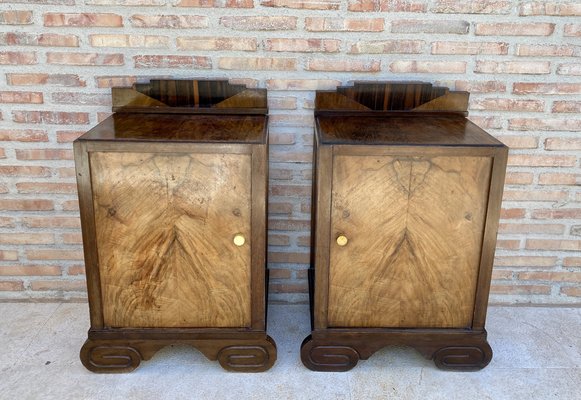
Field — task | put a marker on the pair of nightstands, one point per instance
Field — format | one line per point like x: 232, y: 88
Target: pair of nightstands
x: 173, y: 195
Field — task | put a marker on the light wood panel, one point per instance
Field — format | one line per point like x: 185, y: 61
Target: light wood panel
x: 165, y: 228
x: 415, y: 228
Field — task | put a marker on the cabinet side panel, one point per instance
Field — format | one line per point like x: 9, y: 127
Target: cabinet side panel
x: 165, y: 225
x: 414, y: 229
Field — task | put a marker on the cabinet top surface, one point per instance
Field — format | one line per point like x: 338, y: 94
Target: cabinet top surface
x: 411, y: 129
x: 181, y: 128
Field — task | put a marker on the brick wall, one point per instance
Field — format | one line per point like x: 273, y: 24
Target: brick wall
x: 520, y: 61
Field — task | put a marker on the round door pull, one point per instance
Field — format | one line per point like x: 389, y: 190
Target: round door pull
x: 342, y: 240
x: 239, y: 240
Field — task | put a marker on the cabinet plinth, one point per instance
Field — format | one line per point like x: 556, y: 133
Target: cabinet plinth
x: 173, y: 210
x: 405, y: 214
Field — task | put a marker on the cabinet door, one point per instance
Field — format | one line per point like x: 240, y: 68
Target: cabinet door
x: 414, y: 228
x: 165, y: 229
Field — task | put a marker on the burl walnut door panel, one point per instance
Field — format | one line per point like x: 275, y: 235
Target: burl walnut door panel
x: 414, y: 229
x: 165, y: 225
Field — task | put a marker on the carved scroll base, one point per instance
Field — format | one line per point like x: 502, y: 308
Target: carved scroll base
x: 247, y: 353
x: 340, y: 350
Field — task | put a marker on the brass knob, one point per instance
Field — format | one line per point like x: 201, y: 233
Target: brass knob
x: 342, y: 240
x: 239, y: 239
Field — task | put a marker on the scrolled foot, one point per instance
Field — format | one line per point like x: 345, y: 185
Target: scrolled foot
x: 101, y: 357
x: 253, y: 357
x: 463, y: 358
x: 330, y: 358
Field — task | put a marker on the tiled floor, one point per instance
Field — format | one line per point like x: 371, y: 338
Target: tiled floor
x: 537, y: 355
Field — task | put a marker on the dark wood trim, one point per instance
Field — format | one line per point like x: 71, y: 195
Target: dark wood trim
x: 186, y: 110
x: 489, y: 238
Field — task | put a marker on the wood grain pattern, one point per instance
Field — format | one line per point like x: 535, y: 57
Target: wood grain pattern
x: 415, y: 228
x: 165, y: 224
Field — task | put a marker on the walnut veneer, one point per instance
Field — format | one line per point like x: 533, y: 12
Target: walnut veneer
x: 172, y: 191
x: 405, y: 213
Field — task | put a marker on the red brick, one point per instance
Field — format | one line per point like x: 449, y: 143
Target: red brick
x: 67, y: 136
x: 288, y: 225
x: 526, y: 261
x: 276, y: 273
x: 288, y: 287
x: 550, y: 8
x: 70, y: 205
x: 278, y: 240
x: 303, y: 45
x: 323, y: 24
x: 386, y: 5
x: 525, y: 160
x: 563, y: 144
x: 66, y: 172
x: 288, y: 258
x: 24, y: 170
x: 217, y: 43
x: 76, y: 270
x: 290, y: 190
x: 169, y: 21
x: 572, y: 291
x: 471, y: 48
x: 508, y: 105
x: 15, y: 17
x: 387, y: 47
x: 518, y: 178
x: 46, y: 187
x: 546, y: 50
x: 260, y: 23
x: 545, y: 124
x: 50, y: 117
x: 514, y: 29
x: 480, y: 86
x: 560, y: 179
x: 533, y: 195
x: 258, y: 63
x: 23, y: 135
x: 44, y: 79
x: 302, y: 84
x: 428, y: 26
x: 501, y: 275
x: 113, y: 81
x: 513, y: 67
x: 487, y: 122
x: 339, y: 65
x: 569, y: 69
x: 84, y: 58
x: 572, y: 30
x: 17, y: 58
x: 216, y: 3
x: 549, y: 244
x: 566, y: 106
x: 549, y: 229
x: 303, y: 4
x: 72, y: 238
x: 512, y: 213
x: 30, y: 270
x: 21, y: 97
x: 432, y: 67
x: 26, y: 238
x: 7, y: 222
x: 280, y: 208
x: 572, y: 262
x: 83, y: 19
x: 8, y: 255
x: 54, y: 254
x: 472, y: 7
x: 520, y: 289
x: 26, y: 205
x: 126, y: 2
x: 520, y: 142
x: 97, y: 99
x: 51, y: 222
x: 167, y: 61
x: 546, y: 88
x: 44, y: 154
x: 559, y: 213
x: 42, y: 39
x: 45, y: 2
x: 291, y: 120
x: 11, y: 286
x: 132, y: 41
x: 64, y: 285
x: 281, y: 138
x: 281, y: 103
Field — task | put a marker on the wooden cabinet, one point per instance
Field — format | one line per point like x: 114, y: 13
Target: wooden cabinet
x: 172, y: 191
x: 405, y: 214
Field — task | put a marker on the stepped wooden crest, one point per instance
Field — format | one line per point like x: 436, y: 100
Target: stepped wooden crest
x: 392, y: 96
x: 189, y: 97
